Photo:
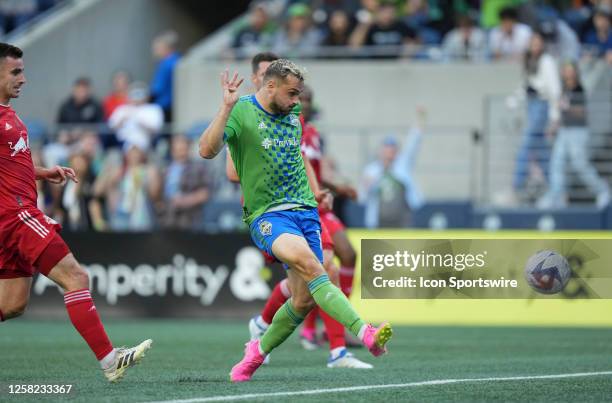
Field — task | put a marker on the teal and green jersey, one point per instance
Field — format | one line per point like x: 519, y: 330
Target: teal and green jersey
x: 266, y: 152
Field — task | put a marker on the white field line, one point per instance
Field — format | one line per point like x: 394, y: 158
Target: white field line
x: 228, y: 398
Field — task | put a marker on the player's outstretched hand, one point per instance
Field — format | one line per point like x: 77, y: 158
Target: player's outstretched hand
x: 230, y: 88
x: 59, y: 175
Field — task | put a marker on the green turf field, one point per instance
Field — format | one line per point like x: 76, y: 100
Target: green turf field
x: 191, y: 359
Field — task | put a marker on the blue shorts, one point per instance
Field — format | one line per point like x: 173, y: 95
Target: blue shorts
x: 304, y: 222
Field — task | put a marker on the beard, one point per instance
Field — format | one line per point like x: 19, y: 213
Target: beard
x: 280, y: 110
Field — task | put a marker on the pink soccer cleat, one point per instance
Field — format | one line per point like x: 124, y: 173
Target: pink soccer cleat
x: 375, y: 339
x: 243, y: 371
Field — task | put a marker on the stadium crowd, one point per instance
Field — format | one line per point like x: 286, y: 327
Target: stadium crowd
x: 16, y: 13
x: 424, y: 29
x: 136, y: 174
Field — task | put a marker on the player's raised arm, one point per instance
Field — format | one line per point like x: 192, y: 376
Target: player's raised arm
x: 211, y: 141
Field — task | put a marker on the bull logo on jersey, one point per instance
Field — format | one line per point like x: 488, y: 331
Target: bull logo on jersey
x: 22, y: 145
x: 265, y: 228
x: 266, y: 143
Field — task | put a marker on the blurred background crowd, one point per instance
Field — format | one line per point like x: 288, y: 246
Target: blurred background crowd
x: 138, y: 172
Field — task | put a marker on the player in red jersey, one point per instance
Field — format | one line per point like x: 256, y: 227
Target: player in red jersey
x: 29, y: 240
x: 311, y: 147
x: 339, y: 356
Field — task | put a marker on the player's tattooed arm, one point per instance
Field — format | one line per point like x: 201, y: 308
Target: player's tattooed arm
x: 211, y: 141
x: 57, y: 175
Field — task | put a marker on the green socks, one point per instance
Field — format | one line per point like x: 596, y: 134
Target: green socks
x: 328, y: 297
x: 283, y: 324
x: 334, y: 302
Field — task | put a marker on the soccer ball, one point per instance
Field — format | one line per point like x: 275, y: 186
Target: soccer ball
x: 547, y: 272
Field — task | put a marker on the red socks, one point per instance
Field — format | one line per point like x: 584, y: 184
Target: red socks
x: 279, y: 295
x: 346, y: 279
x: 86, y: 321
x: 335, y: 331
x: 310, y: 321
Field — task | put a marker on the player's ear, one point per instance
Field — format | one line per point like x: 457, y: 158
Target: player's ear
x: 271, y: 83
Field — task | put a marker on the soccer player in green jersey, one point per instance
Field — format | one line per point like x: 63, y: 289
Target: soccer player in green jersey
x: 263, y: 134
x: 339, y: 356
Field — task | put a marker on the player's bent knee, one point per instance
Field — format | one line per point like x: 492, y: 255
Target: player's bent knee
x: 79, y: 278
x: 70, y: 275
x: 310, y: 268
x: 304, y: 304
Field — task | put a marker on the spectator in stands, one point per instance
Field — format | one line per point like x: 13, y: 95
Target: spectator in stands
x: 57, y: 152
x: 299, y: 37
x: 257, y: 35
x: 388, y: 188
x: 76, y: 196
x: 186, y: 188
x: 490, y: 11
x: 386, y: 32
x: 510, y: 39
x: 81, y: 106
x: 543, y: 95
x: 465, y: 42
x: 89, y: 145
x: 338, y: 29
x: 118, y: 95
x: 164, y: 49
x: 572, y: 141
x: 561, y: 40
x: 577, y: 13
x: 130, y: 191
x: 137, y: 122
x: 427, y: 19
x: 600, y: 37
x: 43, y: 201
x: 14, y: 13
x: 416, y: 13
x: 367, y: 11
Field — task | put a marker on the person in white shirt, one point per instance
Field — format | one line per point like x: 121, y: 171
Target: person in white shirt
x: 511, y: 38
x: 543, y: 97
x: 465, y: 41
x: 137, y: 122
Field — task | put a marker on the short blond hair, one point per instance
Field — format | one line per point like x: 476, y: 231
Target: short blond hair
x: 283, y: 68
